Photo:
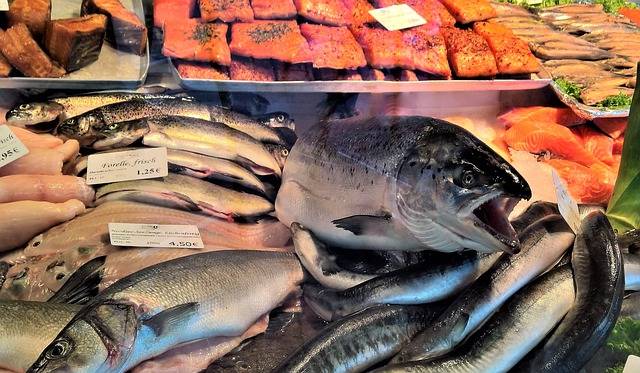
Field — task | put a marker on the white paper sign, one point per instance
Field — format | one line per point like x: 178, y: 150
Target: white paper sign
x: 130, y: 165
x: 155, y: 235
x: 397, y: 17
x: 4, y: 5
x: 11, y: 148
x: 567, y: 205
x: 632, y: 365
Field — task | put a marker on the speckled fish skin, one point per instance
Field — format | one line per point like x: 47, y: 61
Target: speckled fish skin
x: 510, y: 333
x: 543, y: 244
x: 45, y: 116
x: 86, y: 126
x: 169, y: 304
x: 359, y: 341
x: 399, y: 183
x: 599, y: 281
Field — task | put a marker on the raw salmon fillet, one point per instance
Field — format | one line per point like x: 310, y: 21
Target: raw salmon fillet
x: 201, y: 70
x: 428, y: 50
x: 431, y: 10
x: 468, y: 53
x: 613, y: 127
x: 33, y: 13
x: 617, y: 144
x: 76, y: 42
x: 585, y: 184
x: 596, y: 142
x: 19, y: 48
x: 325, y: 12
x: 124, y: 28
x: 5, y: 66
x: 383, y: 48
x: 178, y: 10
x: 226, y: 10
x: 244, y: 68
x: 333, y: 47
x: 195, y: 40
x: 512, y: 54
x: 360, y: 12
x: 539, y: 137
x: 280, y: 40
x: 564, y: 115
x: 270, y: 9
x: 467, y: 11
x: 286, y: 72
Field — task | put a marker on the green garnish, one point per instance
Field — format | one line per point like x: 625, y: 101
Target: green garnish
x: 612, y: 6
x: 620, y: 100
x: 569, y: 88
x: 544, y: 3
x: 625, y: 337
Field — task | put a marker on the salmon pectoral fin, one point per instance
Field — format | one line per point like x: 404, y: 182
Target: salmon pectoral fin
x: 172, y: 318
x: 361, y: 224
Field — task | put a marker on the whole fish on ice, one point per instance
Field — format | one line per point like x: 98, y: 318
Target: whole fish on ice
x: 400, y: 183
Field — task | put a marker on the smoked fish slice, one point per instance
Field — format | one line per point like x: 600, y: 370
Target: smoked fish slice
x: 428, y: 50
x: 512, y: 54
x: 195, y: 40
x: 76, y: 42
x: 33, y: 13
x: 292, y: 72
x: 5, y: 66
x: 383, y: 48
x: 201, y: 70
x: 467, y: 11
x: 124, y: 28
x: 247, y: 68
x: 19, y: 48
x: 333, y: 47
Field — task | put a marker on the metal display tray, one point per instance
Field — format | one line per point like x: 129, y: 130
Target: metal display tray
x: 351, y: 86
x: 113, y: 70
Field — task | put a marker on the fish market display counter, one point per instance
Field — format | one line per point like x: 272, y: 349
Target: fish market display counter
x: 200, y: 223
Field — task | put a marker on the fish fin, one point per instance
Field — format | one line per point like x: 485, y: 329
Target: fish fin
x: 172, y: 317
x: 321, y: 300
x: 83, y: 284
x: 361, y: 224
x: 459, y: 327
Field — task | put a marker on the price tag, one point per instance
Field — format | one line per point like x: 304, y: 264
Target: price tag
x: 11, y: 148
x: 4, y: 5
x: 397, y: 17
x: 153, y: 235
x: 632, y: 365
x: 130, y: 165
x: 567, y: 205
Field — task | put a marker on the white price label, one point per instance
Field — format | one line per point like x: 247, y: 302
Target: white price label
x: 632, y: 365
x: 4, y: 5
x: 567, y: 205
x: 155, y: 235
x: 11, y: 148
x: 130, y: 165
x: 397, y: 17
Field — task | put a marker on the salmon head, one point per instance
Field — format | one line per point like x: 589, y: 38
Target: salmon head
x: 453, y: 192
x: 97, y: 339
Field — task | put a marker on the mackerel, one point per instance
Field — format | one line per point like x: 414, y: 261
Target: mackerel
x: 510, y: 333
x: 599, y: 281
x: 534, y: 212
x: 359, y: 341
x: 434, y: 279
x: 543, y: 244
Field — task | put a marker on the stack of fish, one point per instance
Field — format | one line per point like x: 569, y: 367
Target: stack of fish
x: 580, y: 43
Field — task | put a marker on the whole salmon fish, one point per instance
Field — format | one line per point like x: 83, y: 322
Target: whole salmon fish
x: 400, y: 183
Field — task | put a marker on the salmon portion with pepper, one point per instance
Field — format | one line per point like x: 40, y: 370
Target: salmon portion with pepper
x: 360, y: 12
x: 226, y: 10
x: 246, y: 68
x: 280, y: 40
x: 383, y: 48
x: 467, y: 11
x: 195, y: 40
x: 201, y: 70
x: 512, y: 54
x: 431, y: 10
x: 468, y: 53
x: 333, y: 47
x: 325, y: 12
x: 428, y: 50
x: 176, y: 10
x: 270, y: 9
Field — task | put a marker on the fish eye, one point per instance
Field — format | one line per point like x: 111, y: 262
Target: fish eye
x: 112, y: 126
x: 25, y: 107
x: 280, y: 118
x: 58, y: 350
x: 71, y: 121
x: 466, y: 177
x: 21, y: 275
x: 284, y: 152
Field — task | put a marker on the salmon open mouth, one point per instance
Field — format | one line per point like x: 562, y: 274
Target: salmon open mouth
x: 493, y: 216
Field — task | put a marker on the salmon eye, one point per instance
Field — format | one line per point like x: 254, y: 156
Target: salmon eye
x: 58, y: 350
x: 280, y: 118
x: 468, y: 179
